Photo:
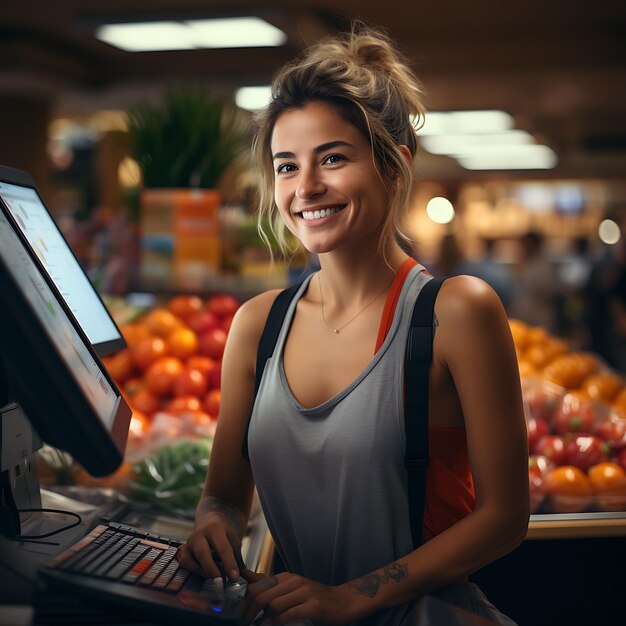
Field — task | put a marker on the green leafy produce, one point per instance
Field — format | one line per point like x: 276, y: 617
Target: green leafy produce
x: 172, y: 478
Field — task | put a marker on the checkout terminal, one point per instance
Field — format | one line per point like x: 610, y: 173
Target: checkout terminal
x: 87, y: 559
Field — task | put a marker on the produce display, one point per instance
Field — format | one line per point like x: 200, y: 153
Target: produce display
x: 575, y: 410
x: 170, y: 376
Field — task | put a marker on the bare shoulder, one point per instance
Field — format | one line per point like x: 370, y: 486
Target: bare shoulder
x: 470, y: 318
x: 252, y: 314
x: 467, y: 297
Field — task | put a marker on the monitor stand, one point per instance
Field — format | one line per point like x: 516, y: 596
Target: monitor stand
x: 19, y: 478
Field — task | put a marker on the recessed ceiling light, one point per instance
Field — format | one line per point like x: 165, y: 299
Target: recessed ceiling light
x: 253, y: 98
x: 237, y: 32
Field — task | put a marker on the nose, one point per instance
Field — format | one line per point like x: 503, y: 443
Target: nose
x: 310, y: 184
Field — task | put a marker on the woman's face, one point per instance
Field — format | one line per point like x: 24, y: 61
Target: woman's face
x: 327, y: 188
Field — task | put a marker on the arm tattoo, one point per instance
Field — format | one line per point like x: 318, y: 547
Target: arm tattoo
x: 368, y: 585
x: 435, y: 324
x: 231, y: 514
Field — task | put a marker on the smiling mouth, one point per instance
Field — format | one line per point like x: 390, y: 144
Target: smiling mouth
x: 318, y: 213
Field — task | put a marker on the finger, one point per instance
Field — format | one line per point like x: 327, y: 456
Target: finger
x: 225, y: 549
x: 203, y: 554
x: 257, y: 597
x: 186, y: 560
x: 250, y: 576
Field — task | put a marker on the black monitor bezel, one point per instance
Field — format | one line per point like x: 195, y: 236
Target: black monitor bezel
x: 44, y: 386
x: 23, y: 179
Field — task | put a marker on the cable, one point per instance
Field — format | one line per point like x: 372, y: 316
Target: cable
x: 54, y: 532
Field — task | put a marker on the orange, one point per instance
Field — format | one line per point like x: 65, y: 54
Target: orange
x: 563, y: 371
x: 603, y: 387
x: 184, y: 306
x: 182, y: 343
x: 569, y: 490
x: 144, y: 401
x: 200, y: 362
x: 619, y: 401
x: 538, y: 355
x: 161, y: 322
x: 526, y: 370
x: 147, y: 351
x: 519, y: 332
x: 133, y: 333
x: 537, y: 335
x: 119, y: 365
x: 608, y: 481
x: 159, y: 377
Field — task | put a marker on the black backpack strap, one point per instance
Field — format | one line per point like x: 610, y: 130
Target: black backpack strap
x: 419, y: 355
x: 268, y: 340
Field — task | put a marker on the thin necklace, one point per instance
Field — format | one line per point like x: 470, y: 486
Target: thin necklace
x: 338, y: 330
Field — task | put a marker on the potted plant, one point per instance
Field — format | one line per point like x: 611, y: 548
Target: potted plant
x: 182, y: 146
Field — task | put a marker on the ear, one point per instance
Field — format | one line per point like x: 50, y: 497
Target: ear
x: 406, y: 153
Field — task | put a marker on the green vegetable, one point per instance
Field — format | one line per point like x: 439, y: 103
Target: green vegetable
x: 172, y: 478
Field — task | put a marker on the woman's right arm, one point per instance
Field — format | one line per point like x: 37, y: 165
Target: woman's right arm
x: 223, y: 510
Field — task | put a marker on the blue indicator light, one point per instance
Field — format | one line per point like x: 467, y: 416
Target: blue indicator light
x: 216, y: 609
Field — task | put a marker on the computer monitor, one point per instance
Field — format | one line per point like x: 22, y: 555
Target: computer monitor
x: 23, y: 206
x: 53, y: 374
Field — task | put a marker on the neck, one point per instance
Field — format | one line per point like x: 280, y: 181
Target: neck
x: 356, y: 276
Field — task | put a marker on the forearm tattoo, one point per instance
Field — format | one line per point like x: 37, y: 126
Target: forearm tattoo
x: 369, y: 585
x: 231, y: 514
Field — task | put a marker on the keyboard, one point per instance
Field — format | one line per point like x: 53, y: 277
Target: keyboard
x: 123, y: 565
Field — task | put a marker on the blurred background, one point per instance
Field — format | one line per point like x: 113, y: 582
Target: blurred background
x: 520, y: 170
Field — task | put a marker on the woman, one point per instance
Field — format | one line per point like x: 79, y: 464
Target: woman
x: 326, y: 440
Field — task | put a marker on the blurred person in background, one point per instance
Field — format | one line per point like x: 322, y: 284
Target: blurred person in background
x: 535, y: 283
x: 492, y: 271
x: 450, y: 257
x: 572, y: 276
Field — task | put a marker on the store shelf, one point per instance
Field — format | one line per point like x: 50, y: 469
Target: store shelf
x: 576, y: 526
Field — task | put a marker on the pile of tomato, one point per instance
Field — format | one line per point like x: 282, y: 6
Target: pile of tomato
x: 172, y: 362
x: 576, y: 419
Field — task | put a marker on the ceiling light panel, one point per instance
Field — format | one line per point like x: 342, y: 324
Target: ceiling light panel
x: 240, y: 32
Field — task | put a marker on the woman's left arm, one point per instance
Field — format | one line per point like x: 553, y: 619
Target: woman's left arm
x: 474, y: 343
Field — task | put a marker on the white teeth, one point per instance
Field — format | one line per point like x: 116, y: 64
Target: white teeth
x: 310, y: 215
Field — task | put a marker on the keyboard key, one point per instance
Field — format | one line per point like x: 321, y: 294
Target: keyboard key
x: 119, y: 569
x: 111, y: 552
x: 151, y: 575
x: 141, y: 566
x: 178, y: 580
x: 168, y: 573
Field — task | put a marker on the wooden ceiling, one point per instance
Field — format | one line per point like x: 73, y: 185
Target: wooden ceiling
x: 557, y: 66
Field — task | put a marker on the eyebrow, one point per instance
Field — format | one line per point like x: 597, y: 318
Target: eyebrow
x: 317, y: 150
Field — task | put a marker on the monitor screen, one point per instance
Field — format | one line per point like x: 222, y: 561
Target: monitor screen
x: 58, y: 379
x: 25, y: 208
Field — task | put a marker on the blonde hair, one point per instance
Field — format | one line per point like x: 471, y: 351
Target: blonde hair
x: 366, y: 79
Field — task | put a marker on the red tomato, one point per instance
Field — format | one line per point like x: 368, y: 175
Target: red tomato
x: 212, y: 343
x: 583, y: 451
x: 203, y: 363
x: 537, y: 491
x: 613, y: 431
x: 540, y: 465
x: 190, y: 382
x: 160, y: 376
x: 223, y: 305
x: 215, y: 377
x: 182, y: 404
x: 145, y: 401
x: 553, y: 447
x: 119, y: 365
x: 203, y: 321
x: 543, y: 401
x: 536, y: 428
x: 227, y: 323
x: 212, y: 402
x: 147, y: 351
x: 184, y: 306
x: 574, y: 416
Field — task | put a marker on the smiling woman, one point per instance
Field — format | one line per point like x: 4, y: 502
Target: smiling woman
x: 326, y: 430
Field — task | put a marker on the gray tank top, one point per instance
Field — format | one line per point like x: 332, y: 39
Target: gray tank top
x: 331, y: 479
